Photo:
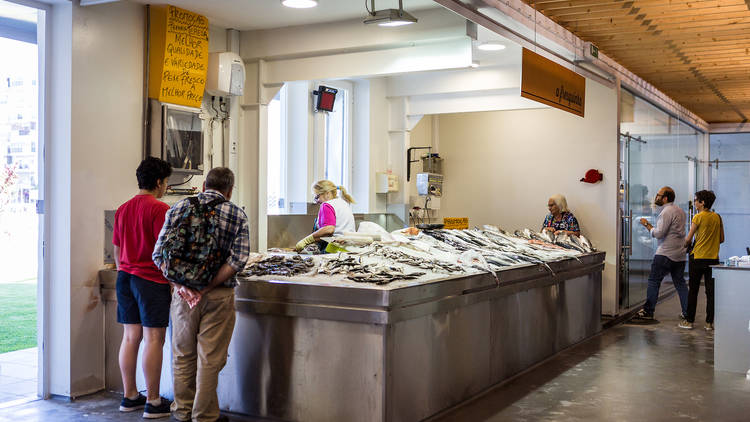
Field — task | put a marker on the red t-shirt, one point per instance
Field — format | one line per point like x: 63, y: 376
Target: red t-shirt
x: 137, y: 226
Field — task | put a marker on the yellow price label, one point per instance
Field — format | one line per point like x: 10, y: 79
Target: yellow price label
x: 456, y: 222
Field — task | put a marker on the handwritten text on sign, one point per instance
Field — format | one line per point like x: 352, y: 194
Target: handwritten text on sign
x: 179, y: 56
x: 456, y: 223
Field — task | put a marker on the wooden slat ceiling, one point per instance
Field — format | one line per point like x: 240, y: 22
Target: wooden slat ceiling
x: 695, y: 51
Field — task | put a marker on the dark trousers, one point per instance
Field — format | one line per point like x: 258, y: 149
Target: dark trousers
x: 660, y: 267
x: 701, y: 269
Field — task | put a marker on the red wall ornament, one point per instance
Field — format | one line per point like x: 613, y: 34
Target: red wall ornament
x: 593, y: 176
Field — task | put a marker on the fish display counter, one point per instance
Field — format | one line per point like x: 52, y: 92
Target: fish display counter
x: 320, y: 340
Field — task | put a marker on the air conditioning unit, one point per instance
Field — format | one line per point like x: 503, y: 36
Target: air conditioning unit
x: 226, y: 74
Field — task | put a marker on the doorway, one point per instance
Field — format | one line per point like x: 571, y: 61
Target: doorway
x: 21, y: 161
x: 657, y: 150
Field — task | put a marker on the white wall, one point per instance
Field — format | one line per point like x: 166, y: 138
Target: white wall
x: 501, y: 167
x: 345, y: 50
x: 58, y: 188
x: 106, y: 147
x: 95, y: 144
x: 299, y: 142
x: 421, y: 136
x: 348, y: 36
x: 361, y: 166
x: 306, y: 138
x: 378, y: 142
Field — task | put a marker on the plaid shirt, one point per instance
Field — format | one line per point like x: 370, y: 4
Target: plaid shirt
x: 233, y: 231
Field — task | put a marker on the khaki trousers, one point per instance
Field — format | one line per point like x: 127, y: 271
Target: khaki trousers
x: 200, y: 340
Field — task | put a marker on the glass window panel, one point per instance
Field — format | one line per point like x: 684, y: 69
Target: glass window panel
x: 729, y: 181
x: 336, y: 140
x: 276, y: 180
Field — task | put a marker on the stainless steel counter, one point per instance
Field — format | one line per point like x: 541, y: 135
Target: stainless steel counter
x: 732, y: 313
x: 312, y: 351
x: 732, y: 268
x: 302, y: 351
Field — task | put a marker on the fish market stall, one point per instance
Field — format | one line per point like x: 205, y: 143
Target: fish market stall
x: 400, y: 330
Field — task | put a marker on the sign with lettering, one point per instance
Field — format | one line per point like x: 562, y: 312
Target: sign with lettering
x: 456, y: 222
x: 547, y: 82
x: 178, y: 58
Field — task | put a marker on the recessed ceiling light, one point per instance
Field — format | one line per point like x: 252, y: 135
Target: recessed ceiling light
x: 491, y: 46
x: 300, y: 4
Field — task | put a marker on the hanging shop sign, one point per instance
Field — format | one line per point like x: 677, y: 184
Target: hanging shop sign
x: 549, y: 83
x: 178, y: 55
x: 460, y: 223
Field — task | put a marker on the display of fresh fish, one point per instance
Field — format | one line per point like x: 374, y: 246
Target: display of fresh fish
x: 548, y: 236
x: 279, y: 265
x: 586, y: 244
x: 570, y: 242
x: 433, y: 252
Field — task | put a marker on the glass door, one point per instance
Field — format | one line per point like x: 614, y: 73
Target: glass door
x: 625, y: 223
x: 21, y: 165
x: 658, y: 150
x: 637, y: 204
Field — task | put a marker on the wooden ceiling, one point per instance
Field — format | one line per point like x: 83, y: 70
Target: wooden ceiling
x: 695, y: 51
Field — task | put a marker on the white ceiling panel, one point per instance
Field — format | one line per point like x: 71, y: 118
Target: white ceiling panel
x: 264, y: 14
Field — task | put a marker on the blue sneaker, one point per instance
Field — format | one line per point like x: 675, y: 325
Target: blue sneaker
x: 127, y: 405
x: 156, y: 412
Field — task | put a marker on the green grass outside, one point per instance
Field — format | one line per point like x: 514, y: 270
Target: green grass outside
x: 17, y: 316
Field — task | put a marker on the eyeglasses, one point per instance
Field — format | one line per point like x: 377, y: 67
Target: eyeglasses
x: 659, y: 194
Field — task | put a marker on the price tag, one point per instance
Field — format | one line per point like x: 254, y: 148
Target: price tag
x: 456, y: 223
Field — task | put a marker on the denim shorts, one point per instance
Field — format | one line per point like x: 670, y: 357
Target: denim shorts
x: 141, y: 301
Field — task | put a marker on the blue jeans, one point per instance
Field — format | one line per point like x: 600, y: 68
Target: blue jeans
x: 660, y: 268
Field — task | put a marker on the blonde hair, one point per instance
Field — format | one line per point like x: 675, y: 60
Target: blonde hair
x: 560, y: 201
x: 322, y: 186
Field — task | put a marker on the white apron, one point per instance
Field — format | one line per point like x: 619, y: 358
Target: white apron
x: 344, y: 216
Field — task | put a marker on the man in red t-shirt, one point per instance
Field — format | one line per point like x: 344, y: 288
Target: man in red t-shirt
x: 143, y: 295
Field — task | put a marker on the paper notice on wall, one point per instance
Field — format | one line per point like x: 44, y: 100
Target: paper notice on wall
x: 178, y: 58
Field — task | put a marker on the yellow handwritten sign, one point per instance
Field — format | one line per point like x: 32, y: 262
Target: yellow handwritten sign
x: 456, y: 222
x: 549, y: 83
x: 178, y: 57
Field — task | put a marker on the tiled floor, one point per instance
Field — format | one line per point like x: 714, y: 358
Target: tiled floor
x: 654, y: 372
x: 99, y: 407
x: 630, y: 372
x: 18, y: 372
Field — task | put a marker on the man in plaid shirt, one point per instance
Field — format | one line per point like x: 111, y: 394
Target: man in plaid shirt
x: 202, y: 321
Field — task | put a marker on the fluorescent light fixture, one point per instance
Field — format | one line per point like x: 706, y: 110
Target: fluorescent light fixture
x: 491, y: 46
x: 300, y: 4
x: 389, y: 17
x: 474, y: 63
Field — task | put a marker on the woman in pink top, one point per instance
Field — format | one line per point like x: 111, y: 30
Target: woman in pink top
x: 334, y: 216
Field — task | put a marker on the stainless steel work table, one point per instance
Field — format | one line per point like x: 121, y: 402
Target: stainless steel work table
x: 304, y: 351
x: 732, y: 313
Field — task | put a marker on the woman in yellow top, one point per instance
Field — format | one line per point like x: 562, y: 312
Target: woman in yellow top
x: 708, y: 230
